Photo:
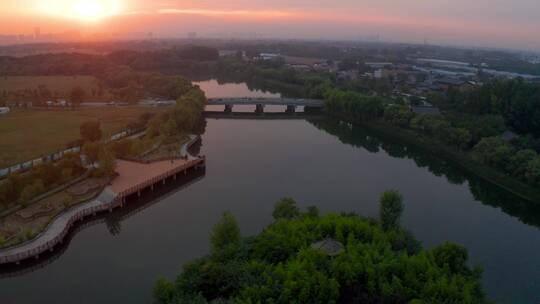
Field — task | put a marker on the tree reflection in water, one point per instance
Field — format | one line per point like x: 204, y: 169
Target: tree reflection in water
x: 483, y: 191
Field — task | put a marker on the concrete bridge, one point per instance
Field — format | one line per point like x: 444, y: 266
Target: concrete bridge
x: 261, y: 102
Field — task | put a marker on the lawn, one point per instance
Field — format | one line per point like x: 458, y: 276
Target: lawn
x: 60, y: 84
x: 27, y: 134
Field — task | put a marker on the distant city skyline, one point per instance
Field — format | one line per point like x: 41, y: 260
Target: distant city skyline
x: 480, y: 23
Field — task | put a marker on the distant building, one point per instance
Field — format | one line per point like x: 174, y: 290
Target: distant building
x: 382, y: 73
x: 348, y: 75
x: 268, y: 56
x: 426, y: 110
x: 509, y: 136
x: 443, y: 63
x: 379, y: 65
x: 300, y: 67
x: 450, y: 83
x: 4, y: 110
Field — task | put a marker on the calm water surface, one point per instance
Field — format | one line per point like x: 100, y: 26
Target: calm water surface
x: 214, y: 89
x: 252, y: 164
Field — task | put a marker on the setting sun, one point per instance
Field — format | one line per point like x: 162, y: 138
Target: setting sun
x: 83, y: 10
x: 88, y: 9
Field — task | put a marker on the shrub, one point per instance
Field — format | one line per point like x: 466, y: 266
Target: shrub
x: 31, y: 191
x: 390, y: 209
x: 225, y: 233
x: 286, y: 209
x: 67, y: 200
x: 29, y: 234
x: 91, y: 131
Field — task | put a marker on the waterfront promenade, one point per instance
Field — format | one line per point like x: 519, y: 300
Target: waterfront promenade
x: 133, y: 177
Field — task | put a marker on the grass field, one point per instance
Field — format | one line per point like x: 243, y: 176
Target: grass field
x: 61, y: 84
x: 26, y: 134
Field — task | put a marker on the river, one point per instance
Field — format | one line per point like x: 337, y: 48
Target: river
x: 251, y: 164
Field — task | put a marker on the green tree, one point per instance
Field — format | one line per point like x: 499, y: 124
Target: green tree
x: 91, y: 131
x: 77, y: 96
x: 312, y: 211
x: 31, y: 191
x: 391, y: 208
x: 225, y: 233
x: 91, y: 151
x: 164, y: 291
x: 279, y: 266
x: 518, y: 162
x: 532, y: 172
x: 286, y: 209
x: 107, y: 163
x: 452, y: 256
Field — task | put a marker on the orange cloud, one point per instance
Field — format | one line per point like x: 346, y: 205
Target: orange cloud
x: 230, y: 13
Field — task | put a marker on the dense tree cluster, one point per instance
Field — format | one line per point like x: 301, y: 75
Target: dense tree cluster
x: 523, y: 164
x: 87, y: 64
x: 483, y: 191
x: 517, y: 101
x: 184, y: 118
x: 479, y: 133
x: 274, y: 76
x: 356, y: 105
x: 280, y: 265
x: 20, y: 188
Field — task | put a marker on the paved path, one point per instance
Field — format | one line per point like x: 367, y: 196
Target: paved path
x: 132, y: 178
x: 131, y: 173
x: 57, y: 229
x: 184, y: 149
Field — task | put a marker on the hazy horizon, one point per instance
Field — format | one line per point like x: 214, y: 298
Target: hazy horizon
x: 483, y: 23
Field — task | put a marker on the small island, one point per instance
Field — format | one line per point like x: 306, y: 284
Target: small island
x: 305, y: 257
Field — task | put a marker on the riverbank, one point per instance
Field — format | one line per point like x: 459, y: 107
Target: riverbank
x: 133, y: 178
x: 48, y: 229
x: 458, y: 158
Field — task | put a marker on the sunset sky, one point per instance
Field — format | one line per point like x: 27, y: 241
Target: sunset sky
x: 497, y: 23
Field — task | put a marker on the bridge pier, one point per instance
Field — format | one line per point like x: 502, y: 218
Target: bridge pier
x: 228, y: 108
x: 291, y: 109
x: 259, y: 109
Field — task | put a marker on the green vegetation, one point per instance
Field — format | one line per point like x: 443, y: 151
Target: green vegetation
x: 286, y: 209
x: 52, y: 88
x: 28, y: 134
x: 21, y: 188
x: 470, y: 139
x: 391, y: 209
x: 280, y: 265
x: 90, y: 131
x: 515, y: 100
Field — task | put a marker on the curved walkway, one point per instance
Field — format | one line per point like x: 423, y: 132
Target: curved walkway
x: 58, y: 228
x: 132, y: 178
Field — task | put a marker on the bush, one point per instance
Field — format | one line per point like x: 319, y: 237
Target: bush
x: 286, y: 209
x: 67, y: 200
x: 225, y: 233
x: 106, y: 163
x: 91, y: 151
x: 31, y: 191
x: 123, y: 148
x: 91, y: 131
x: 29, y: 234
x: 164, y: 291
x: 391, y: 209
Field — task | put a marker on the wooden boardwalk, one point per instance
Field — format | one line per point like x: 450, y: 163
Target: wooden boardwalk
x: 133, y: 178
